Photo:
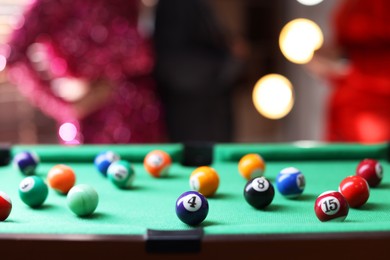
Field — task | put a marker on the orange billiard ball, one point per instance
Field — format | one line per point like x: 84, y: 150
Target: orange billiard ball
x: 61, y: 178
x: 205, y: 180
x: 157, y: 163
x: 251, y: 166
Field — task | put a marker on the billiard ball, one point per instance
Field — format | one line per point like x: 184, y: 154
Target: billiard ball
x: 259, y: 192
x: 33, y: 191
x: 205, y: 180
x: 355, y: 190
x: 121, y: 173
x: 251, y: 165
x: 157, y: 163
x: 331, y: 206
x: 371, y: 170
x: 104, y: 159
x: 61, y: 178
x: 290, y: 182
x: 192, y: 208
x: 5, y: 206
x: 26, y: 162
x: 82, y: 200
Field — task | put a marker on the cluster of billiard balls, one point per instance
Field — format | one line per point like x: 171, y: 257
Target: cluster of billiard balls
x: 33, y: 189
x: 259, y: 192
x: 121, y: 172
x: 353, y: 192
x: 192, y: 206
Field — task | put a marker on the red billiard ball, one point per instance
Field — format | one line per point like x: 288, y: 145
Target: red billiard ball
x: 331, y: 206
x: 157, y: 163
x: 355, y: 190
x: 371, y: 170
x: 5, y: 206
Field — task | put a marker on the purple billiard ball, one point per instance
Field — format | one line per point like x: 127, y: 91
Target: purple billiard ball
x: 192, y: 208
x: 26, y: 162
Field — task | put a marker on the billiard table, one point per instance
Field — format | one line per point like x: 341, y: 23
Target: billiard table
x: 141, y: 222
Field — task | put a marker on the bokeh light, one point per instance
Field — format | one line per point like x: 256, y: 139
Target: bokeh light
x: 299, y: 39
x: 67, y: 132
x: 3, y: 62
x: 273, y: 96
x: 309, y: 2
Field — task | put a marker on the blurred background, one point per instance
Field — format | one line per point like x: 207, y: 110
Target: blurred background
x: 259, y: 23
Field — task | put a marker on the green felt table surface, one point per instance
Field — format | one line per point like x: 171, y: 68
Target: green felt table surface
x: 150, y: 203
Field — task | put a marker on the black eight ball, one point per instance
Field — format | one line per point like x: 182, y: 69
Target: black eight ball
x: 259, y: 192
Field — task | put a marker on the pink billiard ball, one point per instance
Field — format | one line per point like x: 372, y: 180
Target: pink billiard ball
x: 355, y: 190
x: 331, y: 206
x: 371, y: 170
x: 5, y: 206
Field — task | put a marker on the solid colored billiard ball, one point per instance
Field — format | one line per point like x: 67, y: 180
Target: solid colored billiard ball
x: 290, y: 182
x: 26, y: 162
x: 355, y: 190
x: 82, y: 200
x: 5, y: 206
x: 259, y: 192
x: 61, y: 178
x: 121, y: 173
x: 331, y: 206
x: 205, y: 180
x: 104, y: 159
x: 192, y: 208
x: 371, y: 170
x: 251, y: 165
x: 33, y: 191
x: 157, y: 163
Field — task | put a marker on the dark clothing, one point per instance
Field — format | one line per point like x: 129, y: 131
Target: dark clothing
x: 195, y: 71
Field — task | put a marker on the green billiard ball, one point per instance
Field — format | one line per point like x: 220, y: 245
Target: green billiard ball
x: 82, y: 200
x: 121, y: 173
x: 33, y: 191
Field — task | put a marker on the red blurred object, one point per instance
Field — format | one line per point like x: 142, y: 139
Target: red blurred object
x: 360, y: 103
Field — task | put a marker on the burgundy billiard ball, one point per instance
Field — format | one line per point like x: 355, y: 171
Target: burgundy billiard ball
x: 259, y: 192
x: 5, y: 206
x: 355, y: 190
x: 331, y: 206
x: 371, y: 170
x: 192, y: 208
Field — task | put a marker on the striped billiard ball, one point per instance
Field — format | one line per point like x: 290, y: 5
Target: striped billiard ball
x: 121, y: 173
x: 290, y: 182
x: 331, y: 206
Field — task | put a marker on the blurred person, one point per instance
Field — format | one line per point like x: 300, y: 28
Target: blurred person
x: 357, y: 65
x: 197, y: 67
x: 85, y: 64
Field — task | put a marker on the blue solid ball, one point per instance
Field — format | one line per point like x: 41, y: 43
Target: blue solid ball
x: 290, y: 182
x: 26, y: 162
x: 104, y: 159
x: 192, y: 208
